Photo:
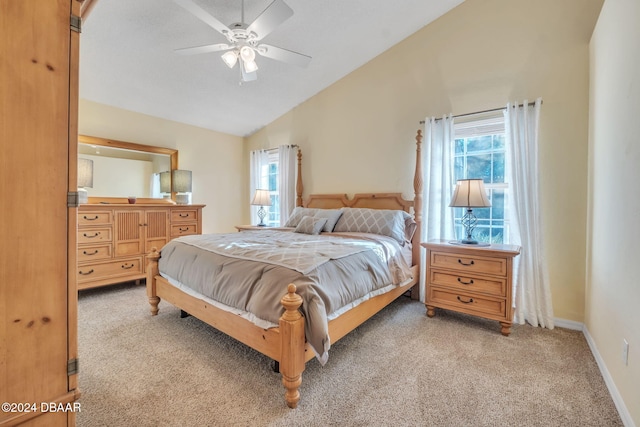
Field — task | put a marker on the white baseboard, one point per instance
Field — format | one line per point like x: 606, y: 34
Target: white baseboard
x: 613, y: 390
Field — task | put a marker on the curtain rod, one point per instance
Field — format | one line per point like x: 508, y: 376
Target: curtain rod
x: 483, y: 111
x: 276, y: 148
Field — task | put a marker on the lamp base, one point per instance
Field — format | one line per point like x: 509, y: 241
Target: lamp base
x: 83, y: 196
x: 466, y: 242
x: 182, y: 199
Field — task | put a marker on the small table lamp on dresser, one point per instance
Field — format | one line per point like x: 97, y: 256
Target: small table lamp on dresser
x: 470, y: 279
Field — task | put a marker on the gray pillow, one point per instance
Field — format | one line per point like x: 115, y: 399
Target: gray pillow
x: 332, y: 216
x: 297, y: 214
x: 386, y: 222
x: 310, y: 225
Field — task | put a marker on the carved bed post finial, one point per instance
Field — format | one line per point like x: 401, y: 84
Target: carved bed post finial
x: 292, y: 345
x: 299, y: 187
x: 152, y: 272
x: 417, y: 199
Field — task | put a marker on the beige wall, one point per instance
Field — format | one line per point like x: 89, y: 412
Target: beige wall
x: 613, y: 285
x: 216, y: 159
x: 358, y: 135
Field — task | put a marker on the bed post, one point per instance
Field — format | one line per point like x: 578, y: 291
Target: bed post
x: 417, y: 199
x: 152, y: 272
x: 291, y: 345
x: 299, y: 187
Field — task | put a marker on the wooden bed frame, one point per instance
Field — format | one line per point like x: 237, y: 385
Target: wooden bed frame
x: 286, y: 344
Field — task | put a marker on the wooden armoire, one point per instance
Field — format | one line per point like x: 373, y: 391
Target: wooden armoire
x: 39, y: 49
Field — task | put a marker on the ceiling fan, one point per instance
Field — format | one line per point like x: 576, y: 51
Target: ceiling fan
x: 244, y: 40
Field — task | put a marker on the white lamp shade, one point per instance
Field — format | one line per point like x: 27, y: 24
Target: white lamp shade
x: 181, y: 181
x: 470, y: 193
x: 247, y: 54
x: 165, y: 182
x: 261, y: 198
x: 85, y: 173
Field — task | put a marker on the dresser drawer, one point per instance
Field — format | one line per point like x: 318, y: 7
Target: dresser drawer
x: 469, y: 283
x: 98, y: 270
x: 178, y: 230
x: 94, y: 235
x: 94, y: 252
x: 178, y: 215
x: 94, y: 218
x: 471, y: 303
x: 468, y: 263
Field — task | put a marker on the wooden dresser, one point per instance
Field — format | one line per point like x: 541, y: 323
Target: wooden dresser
x: 470, y: 279
x: 113, y: 239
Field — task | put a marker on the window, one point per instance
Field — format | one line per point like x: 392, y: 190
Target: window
x: 269, y: 180
x: 479, y: 152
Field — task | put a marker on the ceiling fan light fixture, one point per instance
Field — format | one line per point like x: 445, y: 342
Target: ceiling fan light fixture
x: 247, y: 54
x: 230, y: 58
x: 250, y: 66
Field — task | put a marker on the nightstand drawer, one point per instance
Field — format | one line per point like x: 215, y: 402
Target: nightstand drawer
x: 468, y: 263
x: 472, y: 304
x: 469, y: 283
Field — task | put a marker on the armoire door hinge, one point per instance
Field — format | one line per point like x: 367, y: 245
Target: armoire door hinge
x: 76, y: 23
x: 73, y: 199
x: 73, y: 366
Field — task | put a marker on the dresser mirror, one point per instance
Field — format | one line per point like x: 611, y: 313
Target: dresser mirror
x: 123, y: 169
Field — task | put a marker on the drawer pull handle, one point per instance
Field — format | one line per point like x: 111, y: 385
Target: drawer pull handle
x: 87, y: 273
x: 91, y: 237
x: 465, y: 302
x: 470, y: 282
x: 90, y: 219
x: 92, y: 253
x: 462, y: 263
x: 183, y: 229
x: 127, y: 267
x: 183, y: 215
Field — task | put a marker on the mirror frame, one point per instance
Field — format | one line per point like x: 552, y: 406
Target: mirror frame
x: 112, y: 143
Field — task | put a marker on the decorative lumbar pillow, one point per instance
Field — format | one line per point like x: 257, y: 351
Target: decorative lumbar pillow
x: 297, y: 214
x: 386, y: 222
x: 310, y: 225
x: 332, y: 216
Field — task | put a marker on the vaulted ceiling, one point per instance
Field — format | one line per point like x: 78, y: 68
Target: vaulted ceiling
x: 127, y: 57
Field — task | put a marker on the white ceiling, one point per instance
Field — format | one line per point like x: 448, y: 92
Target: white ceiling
x: 127, y: 58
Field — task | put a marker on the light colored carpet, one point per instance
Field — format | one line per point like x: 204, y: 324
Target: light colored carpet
x: 400, y: 368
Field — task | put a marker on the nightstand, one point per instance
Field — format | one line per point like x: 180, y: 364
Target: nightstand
x: 256, y: 227
x: 471, y: 280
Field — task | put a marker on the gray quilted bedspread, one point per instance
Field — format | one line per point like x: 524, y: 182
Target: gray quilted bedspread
x: 249, y: 272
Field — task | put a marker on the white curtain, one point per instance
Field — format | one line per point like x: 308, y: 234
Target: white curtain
x: 259, y: 160
x: 287, y: 155
x: 533, y: 294
x: 155, y: 186
x: 437, y: 163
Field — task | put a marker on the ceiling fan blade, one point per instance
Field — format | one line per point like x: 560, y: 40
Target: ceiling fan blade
x: 270, y: 18
x: 284, y: 55
x: 203, y: 15
x: 202, y: 49
x: 248, y: 77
